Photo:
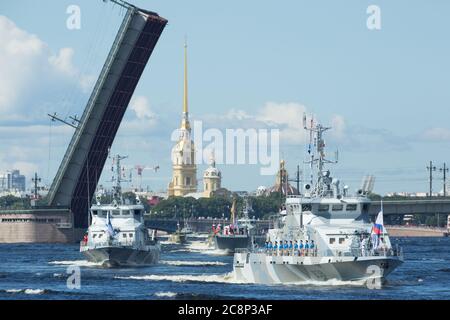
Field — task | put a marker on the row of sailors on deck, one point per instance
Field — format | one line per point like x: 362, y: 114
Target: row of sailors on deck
x: 291, y: 248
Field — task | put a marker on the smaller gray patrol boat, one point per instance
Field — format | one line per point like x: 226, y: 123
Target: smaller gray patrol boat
x: 117, y: 235
x: 238, y: 234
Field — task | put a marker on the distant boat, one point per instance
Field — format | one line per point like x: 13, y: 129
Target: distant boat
x: 238, y: 233
x: 187, y: 229
x: 179, y: 236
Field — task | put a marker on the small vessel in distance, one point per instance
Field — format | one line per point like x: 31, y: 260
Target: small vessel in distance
x: 238, y: 233
x: 179, y: 236
x: 117, y: 235
x: 323, y: 234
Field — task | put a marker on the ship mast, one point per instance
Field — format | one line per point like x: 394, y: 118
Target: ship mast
x: 117, y: 179
x: 317, y: 157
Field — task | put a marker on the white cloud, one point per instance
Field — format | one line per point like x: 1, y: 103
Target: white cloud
x: 32, y: 76
x: 63, y: 62
x: 285, y: 116
x: 437, y: 134
x: 141, y: 108
x: 234, y: 114
x: 338, y: 125
x: 288, y: 117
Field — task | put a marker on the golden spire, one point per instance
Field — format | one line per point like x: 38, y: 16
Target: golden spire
x: 185, y: 97
x: 185, y: 123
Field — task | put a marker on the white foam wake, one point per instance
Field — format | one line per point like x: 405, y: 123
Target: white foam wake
x: 231, y: 278
x: 220, y: 278
x: 203, y: 247
x: 167, y: 294
x: 193, y: 263
x: 200, y: 235
x: 78, y: 263
x: 26, y: 291
x: 327, y: 283
x: 165, y: 242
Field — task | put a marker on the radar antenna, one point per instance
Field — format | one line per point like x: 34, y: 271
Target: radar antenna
x: 317, y: 156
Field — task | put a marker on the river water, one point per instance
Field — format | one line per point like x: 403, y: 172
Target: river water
x: 192, y: 271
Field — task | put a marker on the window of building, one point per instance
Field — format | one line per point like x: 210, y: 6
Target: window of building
x: 94, y: 236
x: 332, y: 240
x: 124, y: 235
x: 352, y: 207
x: 130, y: 235
x: 341, y: 240
x: 188, y: 181
x: 206, y: 186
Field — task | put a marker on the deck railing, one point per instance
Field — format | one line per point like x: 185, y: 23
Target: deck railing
x: 388, y: 252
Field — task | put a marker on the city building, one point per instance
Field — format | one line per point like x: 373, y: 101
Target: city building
x: 184, y: 169
x: 212, y: 178
x: 282, y: 184
x: 12, y: 181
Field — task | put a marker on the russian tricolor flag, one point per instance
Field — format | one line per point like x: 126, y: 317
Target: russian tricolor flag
x: 378, y: 227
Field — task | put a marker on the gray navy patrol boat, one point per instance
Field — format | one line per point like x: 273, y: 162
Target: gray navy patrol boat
x: 323, y: 234
x: 117, y: 235
x: 238, y: 234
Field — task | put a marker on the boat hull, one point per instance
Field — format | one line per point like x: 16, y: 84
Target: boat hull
x: 232, y: 242
x: 122, y: 256
x: 178, y: 238
x: 267, y: 269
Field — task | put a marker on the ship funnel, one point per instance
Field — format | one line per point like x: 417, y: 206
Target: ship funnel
x: 345, y: 190
x: 336, y: 190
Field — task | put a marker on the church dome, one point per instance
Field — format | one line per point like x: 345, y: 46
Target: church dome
x: 212, y: 172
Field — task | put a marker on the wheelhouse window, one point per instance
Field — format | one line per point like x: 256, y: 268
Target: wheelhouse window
x: 124, y: 235
x: 94, y: 212
x: 104, y: 213
x: 332, y: 240
x: 125, y: 212
x: 130, y: 235
x: 137, y: 212
x: 352, y: 207
x: 115, y: 212
x: 324, y: 207
x: 337, y: 207
x: 306, y: 207
x: 341, y: 240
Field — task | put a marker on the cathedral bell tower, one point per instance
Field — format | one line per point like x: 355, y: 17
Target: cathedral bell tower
x: 184, y: 169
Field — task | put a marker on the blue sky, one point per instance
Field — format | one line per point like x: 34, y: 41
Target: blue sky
x: 386, y: 91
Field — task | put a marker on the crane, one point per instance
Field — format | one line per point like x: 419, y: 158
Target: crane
x: 140, y: 170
